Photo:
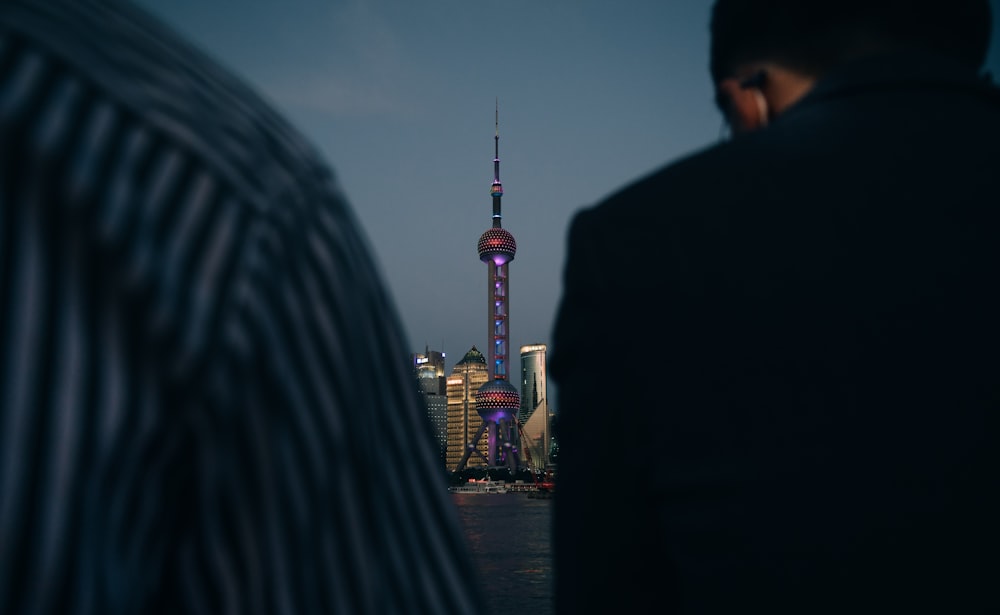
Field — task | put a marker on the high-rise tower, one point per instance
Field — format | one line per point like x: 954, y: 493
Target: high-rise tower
x: 534, y: 415
x: 463, y: 421
x: 497, y: 401
x: 428, y: 371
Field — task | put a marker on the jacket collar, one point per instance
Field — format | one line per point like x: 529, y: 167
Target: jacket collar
x: 912, y: 70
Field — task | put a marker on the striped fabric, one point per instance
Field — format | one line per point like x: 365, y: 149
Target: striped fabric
x: 205, y: 405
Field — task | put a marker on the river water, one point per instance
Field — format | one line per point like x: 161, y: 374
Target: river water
x: 509, y: 535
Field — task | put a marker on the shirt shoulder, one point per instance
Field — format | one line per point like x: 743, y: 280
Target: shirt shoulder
x: 180, y: 93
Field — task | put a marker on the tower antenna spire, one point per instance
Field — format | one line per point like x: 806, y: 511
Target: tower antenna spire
x: 496, y: 190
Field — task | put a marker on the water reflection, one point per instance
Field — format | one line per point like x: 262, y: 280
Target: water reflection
x: 510, y: 539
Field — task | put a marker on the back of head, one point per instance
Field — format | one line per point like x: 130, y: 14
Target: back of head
x: 812, y: 36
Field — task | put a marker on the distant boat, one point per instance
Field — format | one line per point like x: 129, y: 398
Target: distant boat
x: 480, y: 486
x: 543, y: 491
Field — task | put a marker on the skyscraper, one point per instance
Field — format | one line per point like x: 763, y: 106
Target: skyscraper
x: 497, y: 401
x: 428, y: 369
x: 534, y: 413
x: 463, y: 421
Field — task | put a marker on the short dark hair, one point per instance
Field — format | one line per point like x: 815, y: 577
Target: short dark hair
x: 815, y: 35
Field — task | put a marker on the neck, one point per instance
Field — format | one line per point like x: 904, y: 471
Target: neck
x: 783, y: 86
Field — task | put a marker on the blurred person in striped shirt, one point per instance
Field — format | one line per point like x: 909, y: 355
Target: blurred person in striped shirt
x: 202, y: 376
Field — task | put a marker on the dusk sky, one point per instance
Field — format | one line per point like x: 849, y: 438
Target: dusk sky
x: 399, y: 98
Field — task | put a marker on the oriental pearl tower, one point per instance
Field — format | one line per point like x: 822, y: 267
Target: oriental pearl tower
x: 497, y: 401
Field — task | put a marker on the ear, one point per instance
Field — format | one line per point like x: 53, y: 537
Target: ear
x: 748, y: 107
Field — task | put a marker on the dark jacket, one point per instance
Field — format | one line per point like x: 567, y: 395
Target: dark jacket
x: 778, y: 362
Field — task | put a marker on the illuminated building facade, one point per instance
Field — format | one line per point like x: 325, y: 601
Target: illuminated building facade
x: 463, y: 421
x: 428, y: 369
x: 534, y: 414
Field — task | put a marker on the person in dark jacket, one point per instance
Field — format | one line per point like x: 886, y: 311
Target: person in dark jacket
x: 810, y: 316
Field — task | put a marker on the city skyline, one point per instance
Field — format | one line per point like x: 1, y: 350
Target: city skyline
x: 399, y: 98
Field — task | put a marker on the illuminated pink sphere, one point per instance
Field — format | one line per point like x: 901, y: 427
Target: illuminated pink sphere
x: 497, y: 245
x: 497, y: 399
